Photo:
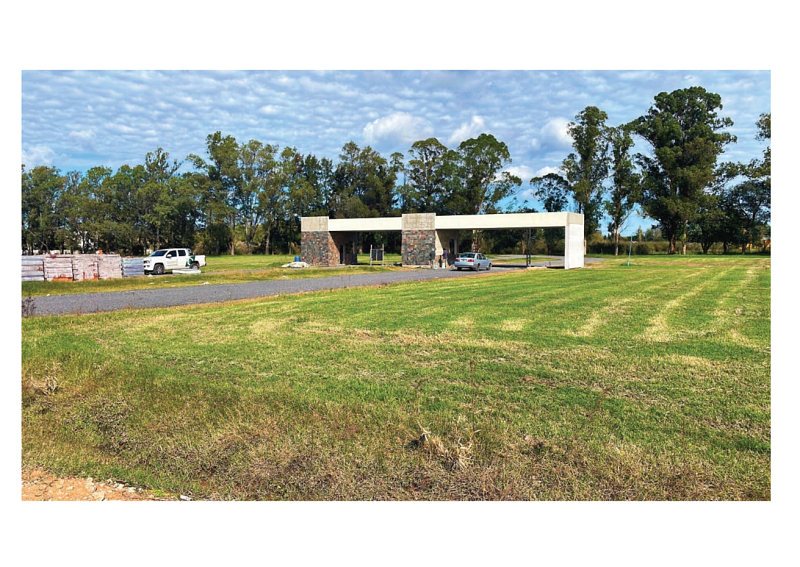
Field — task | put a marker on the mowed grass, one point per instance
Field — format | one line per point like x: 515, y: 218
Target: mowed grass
x: 219, y: 270
x: 613, y: 382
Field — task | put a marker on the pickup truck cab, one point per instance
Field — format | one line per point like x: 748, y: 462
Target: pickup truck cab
x: 169, y: 259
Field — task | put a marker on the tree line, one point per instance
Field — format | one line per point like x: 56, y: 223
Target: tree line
x: 250, y: 195
x: 678, y: 183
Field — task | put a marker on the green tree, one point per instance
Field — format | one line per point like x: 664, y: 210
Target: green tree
x: 363, y: 184
x: 258, y: 194
x: 42, y: 187
x: 481, y: 182
x: 684, y: 132
x: 158, y: 207
x: 753, y: 197
x: 73, y: 208
x: 424, y: 189
x: 624, y: 191
x: 219, y: 200
x: 587, y: 167
x: 552, y: 190
x: 474, y: 181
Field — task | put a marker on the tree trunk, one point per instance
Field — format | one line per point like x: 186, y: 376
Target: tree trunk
x: 616, y: 241
x: 673, y: 241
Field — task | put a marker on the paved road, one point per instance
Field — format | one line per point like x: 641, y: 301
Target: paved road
x: 137, y: 299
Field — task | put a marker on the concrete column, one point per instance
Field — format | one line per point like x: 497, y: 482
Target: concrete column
x: 573, y: 242
x: 419, y: 239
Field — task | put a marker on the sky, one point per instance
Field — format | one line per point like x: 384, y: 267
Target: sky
x: 75, y: 120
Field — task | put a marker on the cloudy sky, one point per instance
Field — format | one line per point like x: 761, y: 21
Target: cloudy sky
x: 74, y: 120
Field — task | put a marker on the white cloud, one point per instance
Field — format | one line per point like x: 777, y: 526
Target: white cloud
x: 545, y: 170
x: 522, y: 171
x: 83, y: 138
x: 37, y: 155
x: 555, y: 135
x: 469, y: 130
x: 399, y: 126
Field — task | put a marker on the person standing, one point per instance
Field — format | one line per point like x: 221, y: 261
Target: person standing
x: 444, y: 257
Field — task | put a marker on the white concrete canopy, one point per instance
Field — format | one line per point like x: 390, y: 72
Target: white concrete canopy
x: 572, y: 223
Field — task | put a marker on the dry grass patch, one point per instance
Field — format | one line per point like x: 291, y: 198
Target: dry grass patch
x: 616, y: 309
x: 512, y: 325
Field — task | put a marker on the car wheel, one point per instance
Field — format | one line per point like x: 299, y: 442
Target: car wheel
x: 195, y: 265
x: 158, y: 269
x: 489, y: 267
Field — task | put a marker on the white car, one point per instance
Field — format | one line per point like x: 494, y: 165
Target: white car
x: 168, y: 259
x: 473, y: 261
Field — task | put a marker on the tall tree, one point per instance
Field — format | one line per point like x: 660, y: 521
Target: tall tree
x: 587, y: 167
x: 41, y: 190
x: 479, y: 184
x: 624, y: 191
x: 753, y: 197
x: 155, y: 195
x: 257, y: 192
x: 684, y: 132
x: 220, y: 203
x: 363, y: 184
x: 482, y: 183
x: 424, y: 190
x: 552, y: 190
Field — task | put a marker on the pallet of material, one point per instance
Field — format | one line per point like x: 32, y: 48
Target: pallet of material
x: 32, y: 269
x: 132, y: 267
x: 84, y: 267
x: 58, y: 268
x: 109, y: 266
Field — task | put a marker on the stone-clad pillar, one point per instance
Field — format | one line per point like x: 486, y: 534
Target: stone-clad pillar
x: 317, y: 246
x: 419, y: 239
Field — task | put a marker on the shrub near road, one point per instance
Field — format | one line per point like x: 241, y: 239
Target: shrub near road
x: 612, y: 382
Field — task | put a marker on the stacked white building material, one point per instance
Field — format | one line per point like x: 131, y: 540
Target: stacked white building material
x: 84, y: 267
x: 57, y: 267
x: 32, y: 269
x: 132, y: 267
x: 109, y: 266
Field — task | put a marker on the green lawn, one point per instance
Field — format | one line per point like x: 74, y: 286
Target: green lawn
x: 641, y: 382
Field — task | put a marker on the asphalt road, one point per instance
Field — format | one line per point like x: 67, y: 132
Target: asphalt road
x: 139, y: 299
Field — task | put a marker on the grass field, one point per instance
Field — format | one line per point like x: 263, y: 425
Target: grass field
x: 613, y: 382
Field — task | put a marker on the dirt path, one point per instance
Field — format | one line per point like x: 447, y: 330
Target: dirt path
x: 41, y: 486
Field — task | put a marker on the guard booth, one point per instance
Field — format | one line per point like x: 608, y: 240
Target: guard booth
x: 324, y: 241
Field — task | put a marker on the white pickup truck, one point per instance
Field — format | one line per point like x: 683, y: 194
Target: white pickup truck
x: 169, y: 259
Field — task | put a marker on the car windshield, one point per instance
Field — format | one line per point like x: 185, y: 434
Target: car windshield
x: 468, y: 255
x: 158, y: 253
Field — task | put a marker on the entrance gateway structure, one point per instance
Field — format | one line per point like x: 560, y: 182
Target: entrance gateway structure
x: 331, y: 242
